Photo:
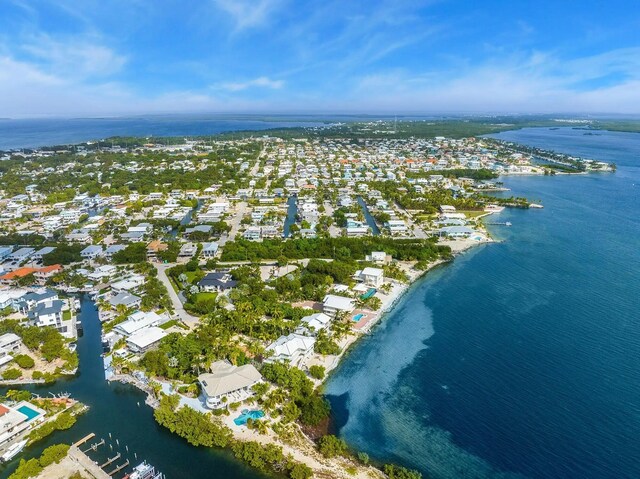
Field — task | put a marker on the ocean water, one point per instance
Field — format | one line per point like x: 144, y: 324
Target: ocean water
x: 522, y: 358
x: 31, y: 133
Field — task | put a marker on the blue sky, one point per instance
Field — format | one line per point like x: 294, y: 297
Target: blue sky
x: 113, y: 57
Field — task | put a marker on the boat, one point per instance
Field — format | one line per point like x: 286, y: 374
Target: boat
x: 493, y: 208
x: 535, y: 205
x: 144, y: 471
x: 13, y: 451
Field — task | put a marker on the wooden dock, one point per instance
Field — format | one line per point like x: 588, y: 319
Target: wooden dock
x: 119, y: 468
x: 85, y: 439
x: 114, y: 458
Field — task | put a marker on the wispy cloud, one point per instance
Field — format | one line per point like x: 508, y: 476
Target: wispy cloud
x: 260, y: 82
x: 249, y: 13
x: 74, y: 56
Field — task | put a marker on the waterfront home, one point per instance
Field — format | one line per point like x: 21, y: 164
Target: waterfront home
x: 139, y: 321
x: 102, y: 272
x: 145, y: 339
x: 226, y: 383
x: 456, y: 231
x: 373, y: 277
x: 54, y: 313
x: 16, y: 420
x: 316, y: 322
x: 127, y: 284
x: 217, y: 282
x: 447, y: 209
x: 333, y: 304
x: 293, y: 348
x: 9, y: 344
x: 125, y: 299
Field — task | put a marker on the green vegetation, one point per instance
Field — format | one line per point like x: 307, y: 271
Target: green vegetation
x: 317, y: 372
x: 62, y: 422
x: 33, y: 467
x: 399, y: 472
x: 197, y: 428
x: 63, y: 254
x: 331, y: 446
x: 132, y: 253
x: 11, y: 374
x: 24, y: 361
x: 337, y: 248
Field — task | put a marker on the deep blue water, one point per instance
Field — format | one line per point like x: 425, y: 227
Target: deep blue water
x: 520, y: 359
x: 61, y: 131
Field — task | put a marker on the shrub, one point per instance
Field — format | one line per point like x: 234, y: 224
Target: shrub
x: 11, y: 374
x: 316, y: 371
x: 331, y: 446
x: 24, y: 361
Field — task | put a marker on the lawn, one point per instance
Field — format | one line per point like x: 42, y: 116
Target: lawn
x: 205, y: 296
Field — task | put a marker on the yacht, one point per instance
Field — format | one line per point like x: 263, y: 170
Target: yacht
x: 13, y: 451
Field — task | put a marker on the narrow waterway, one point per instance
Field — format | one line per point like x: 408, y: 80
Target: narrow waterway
x: 368, y: 217
x: 292, y: 213
x: 120, y: 410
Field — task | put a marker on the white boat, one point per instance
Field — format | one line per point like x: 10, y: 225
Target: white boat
x: 535, y: 205
x: 493, y: 208
x: 13, y: 451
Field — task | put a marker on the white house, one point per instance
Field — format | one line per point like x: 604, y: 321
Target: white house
x: 373, y: 277
x: 317, y: 321
x: 334, y: 304
x: 292, y: 348
x: 227, y: 383
x: 91, y: 252
x: 145, y: 339
x: 139, y: 321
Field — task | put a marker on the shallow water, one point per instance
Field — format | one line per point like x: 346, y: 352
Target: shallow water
x: 522, y: 358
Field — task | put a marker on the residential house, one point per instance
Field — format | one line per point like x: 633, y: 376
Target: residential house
x: 227, y: 383
x: 293, y: 348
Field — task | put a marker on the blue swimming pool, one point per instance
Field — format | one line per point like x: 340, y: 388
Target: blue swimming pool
x: 370, y: 292
x: 30, y: 413
x: 358, y: 317
x: 241, y: 420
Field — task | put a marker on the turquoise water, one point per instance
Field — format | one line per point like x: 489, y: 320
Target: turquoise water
x: 242, y: 419
x: 358, y: 317
x: 30, y: 413
x: 368, y: 294
x: 522, y: 358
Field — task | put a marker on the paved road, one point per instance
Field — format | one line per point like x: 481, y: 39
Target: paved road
x: 188, y: 319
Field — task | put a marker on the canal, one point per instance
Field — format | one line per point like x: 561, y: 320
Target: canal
x: 367, y: 216
x: 119, y: 410
x: 292, y: 213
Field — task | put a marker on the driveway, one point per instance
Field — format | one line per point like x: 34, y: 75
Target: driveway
x: 188, y: 319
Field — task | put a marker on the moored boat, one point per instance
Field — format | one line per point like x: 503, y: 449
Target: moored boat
x: 13, y: 451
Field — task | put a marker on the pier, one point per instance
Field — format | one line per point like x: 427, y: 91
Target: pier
x: 119, y: 468
x: 114, y: 458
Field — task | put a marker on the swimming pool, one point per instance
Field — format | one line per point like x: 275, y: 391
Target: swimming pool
x: 358, y: 317
x: 370, y: 292
x: 241, y: 420
x: 30, y: 413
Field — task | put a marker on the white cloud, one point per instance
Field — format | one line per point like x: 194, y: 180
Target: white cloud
x: 74, y: 56
x: 249, y: 13
x: 261, y: 82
